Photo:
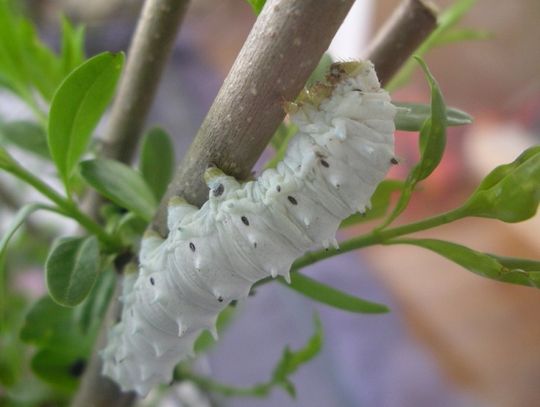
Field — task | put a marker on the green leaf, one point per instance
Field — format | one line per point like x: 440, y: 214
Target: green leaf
x: 432, y: 144
x: 129, y: 229
x: 121, y: 184
x: 280, y: 141
x: 291, y: 360
x: 462, y: 34
x: 517, y: 263
x: 52, y: 326
x: 6, y: 161
x: 72, y: 54
x: 12, y: 355
x: 256, y: 5
x: 476, y: 262
x: 510, y: 192
x: 319, y: 73
x: 72, y: 267
x: 380, y: 201
x: 26, y: 135
x: 157, y: 160
x: 330, y: 296
x: 89, y: 314
x: 416, y: 114
x: 445, y: 22
x: 282, y: 135
x: 12, y: 47
x: 18, y: 220
x: 59, y: 369
x: 77, y: 106
x: 39, y: 63
x: 433, y: 132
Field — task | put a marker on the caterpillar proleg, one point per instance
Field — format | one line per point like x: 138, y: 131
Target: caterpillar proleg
x: 252, y: 230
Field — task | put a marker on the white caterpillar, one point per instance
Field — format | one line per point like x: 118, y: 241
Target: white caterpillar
x: 249, y: 231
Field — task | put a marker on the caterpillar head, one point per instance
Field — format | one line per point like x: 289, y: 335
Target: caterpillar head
x: 340, y: 71
x: 219, y: 183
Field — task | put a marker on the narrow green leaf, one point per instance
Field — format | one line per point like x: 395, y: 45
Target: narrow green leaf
x: 510, y: 192
x: 12, y: 65
x: 256, y: 5
x: 40, y: 64
x: 72, y: 54
x: 517, y: 263
x: 380, y: 201
x: 330, y: 296
x: 291, y: 360
x: 121, y: 184
x: 77, y: 107
x: 26, y: 135
x: 432, y: 144
x: 433, y: 132
x: 157, y: 160
x: 72, y: 268
x: 416, y: 114
x: 476, y: 262
x: 462, y: 34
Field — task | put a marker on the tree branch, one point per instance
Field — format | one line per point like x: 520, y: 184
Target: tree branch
x: 282, y: 49
x: 401, y: 34
x: 149, y: 51
x: 148, y: 54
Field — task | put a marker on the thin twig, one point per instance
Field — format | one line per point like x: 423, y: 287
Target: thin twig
x: 12, y: 203
x: 282, y: 49
x: 148, y: 54
x: 409, y: 25
x: 149, y: 51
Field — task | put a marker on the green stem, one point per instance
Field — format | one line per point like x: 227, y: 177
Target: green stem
x: 258, y: 390
x: 68, y: 207
x: 378, y: 237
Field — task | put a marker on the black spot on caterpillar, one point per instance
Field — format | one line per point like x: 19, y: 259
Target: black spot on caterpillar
x: 342, y: 151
